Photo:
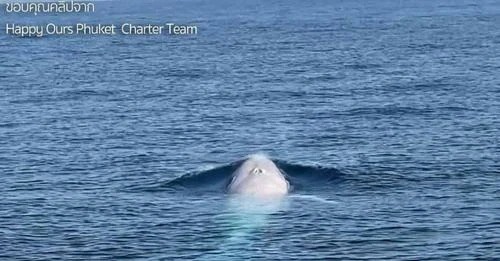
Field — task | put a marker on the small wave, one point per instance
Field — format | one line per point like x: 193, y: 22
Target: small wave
x: 214, y: 179
x: 314, y: 198
x: 391, y: 110
x: 305, y: 177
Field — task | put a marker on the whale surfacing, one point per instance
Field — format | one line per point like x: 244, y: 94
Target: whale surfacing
x: 258, y: 176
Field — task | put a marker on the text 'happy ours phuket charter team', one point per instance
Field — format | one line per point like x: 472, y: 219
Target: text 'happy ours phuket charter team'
x: 99, y: 29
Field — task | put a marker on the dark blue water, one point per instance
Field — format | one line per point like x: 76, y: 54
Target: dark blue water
x: 384, y: 114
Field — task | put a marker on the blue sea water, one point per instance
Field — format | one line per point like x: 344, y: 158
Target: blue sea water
x: 384, y: 115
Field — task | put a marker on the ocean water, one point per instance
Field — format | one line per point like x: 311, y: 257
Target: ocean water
x: 384, y: 115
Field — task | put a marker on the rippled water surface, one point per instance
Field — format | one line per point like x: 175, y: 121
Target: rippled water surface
x: 383, y: 114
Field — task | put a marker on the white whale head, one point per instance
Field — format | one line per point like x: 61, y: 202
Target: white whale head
x: 258, y: 176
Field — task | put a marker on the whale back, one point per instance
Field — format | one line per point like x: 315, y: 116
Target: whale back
x: 258, y: 176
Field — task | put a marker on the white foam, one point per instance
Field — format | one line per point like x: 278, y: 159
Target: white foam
x: 314, y: 198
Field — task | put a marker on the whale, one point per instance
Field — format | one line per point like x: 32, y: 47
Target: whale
x: 258, y: 176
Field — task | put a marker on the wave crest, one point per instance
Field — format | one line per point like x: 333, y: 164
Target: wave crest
x: 300, y: 177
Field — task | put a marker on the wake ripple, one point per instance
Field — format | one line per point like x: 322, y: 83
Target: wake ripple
x: 301, y: 177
